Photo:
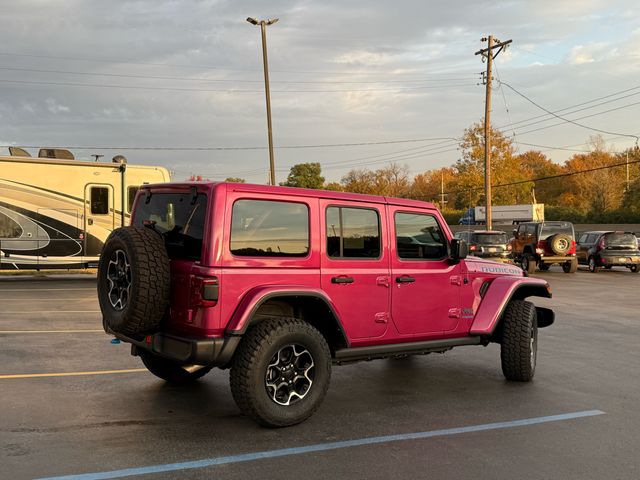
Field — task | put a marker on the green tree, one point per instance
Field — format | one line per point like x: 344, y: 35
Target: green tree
x: 305, y: 175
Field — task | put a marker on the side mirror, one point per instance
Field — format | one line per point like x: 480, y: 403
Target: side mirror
x: 459, y: 250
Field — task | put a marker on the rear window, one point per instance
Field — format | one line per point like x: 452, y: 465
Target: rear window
x: 548, y: 229
x: 490, y: 238
x: 620, y: 240
x: 179, y: 218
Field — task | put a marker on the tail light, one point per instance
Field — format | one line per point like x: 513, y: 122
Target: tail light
x: 572, y: 250
x: 541, y: 246
x: 204, y: 291
x: 473, y: 248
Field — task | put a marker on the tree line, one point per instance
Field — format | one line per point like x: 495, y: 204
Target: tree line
x: 585, y: 187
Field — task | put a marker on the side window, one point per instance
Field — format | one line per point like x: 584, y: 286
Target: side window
x: 353, y: 232
x: 262, y: 228
x: 531, y: 230
x: 99, y: 200
x: 583, y: 238
x: 418, y: 236
x: 131, y: 195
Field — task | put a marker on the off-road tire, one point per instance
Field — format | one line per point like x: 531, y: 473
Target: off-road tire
x: 529, y: 263
x: 593, y: 267
x: 170, y: 371
x: 148, y: 297
x: 570, y: 266
x: 559, y: 243
x: 519, y: 349
x: 249, y: 369
x: 543, y: 267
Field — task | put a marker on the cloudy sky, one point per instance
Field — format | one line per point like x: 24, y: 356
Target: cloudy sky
x: 401, y: 77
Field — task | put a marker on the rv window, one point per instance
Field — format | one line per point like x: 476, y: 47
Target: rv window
x: 100, y: 200
x: 178, y: 218
x: 131, y: 196
x: 9, y: 228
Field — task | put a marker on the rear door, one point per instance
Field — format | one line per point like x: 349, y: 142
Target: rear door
x: 355, y: 266
x: 426, y: 288
x: 99, y: 217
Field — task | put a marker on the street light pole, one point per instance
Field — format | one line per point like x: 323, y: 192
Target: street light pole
x: 263, y: 27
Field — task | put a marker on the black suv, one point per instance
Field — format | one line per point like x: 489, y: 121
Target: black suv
x: 542, y: 244
x: 609, y: 249
x: 492, y: 244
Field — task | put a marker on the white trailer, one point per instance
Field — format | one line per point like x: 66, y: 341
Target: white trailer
x: 510, y: 214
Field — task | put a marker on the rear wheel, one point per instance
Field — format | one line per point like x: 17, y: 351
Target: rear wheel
x: 280, y: 372
x: 170, y: 371
x: 570, y: 267
x: 519, y: 349
x: 593, y: 268
x: 544, y: 266
x: 634, y: 268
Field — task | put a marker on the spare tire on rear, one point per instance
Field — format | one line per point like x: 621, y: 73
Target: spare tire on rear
x: 133, y: 281
x: 559, y: 243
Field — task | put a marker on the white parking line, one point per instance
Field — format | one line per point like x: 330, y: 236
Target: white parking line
x: 48, y: 312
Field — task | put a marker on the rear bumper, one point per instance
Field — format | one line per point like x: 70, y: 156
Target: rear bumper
x: 620, y: 260
x: 556, y: 258
x: 186, y: 350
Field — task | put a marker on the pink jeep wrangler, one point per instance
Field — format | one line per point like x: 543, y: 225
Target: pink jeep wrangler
x: 279, y: 283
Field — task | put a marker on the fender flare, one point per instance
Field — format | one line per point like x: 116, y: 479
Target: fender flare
x: 500, y: 292
x: 243, y: 316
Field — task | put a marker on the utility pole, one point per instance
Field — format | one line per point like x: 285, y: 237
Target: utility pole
x: 263, y: 27
x: 442, y: 194
x: 489, y: 55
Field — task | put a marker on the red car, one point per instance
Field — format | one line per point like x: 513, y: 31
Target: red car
x: 280, y: 283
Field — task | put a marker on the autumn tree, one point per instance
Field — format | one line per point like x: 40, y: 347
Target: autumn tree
x: 429, y: 185
x: 305, y: 175
x: 392, y: 181
x: 359, y: 181
x: 505, y: 168
x: 535, y: 164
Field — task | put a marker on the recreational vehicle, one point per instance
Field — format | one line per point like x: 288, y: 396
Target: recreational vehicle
x: 56, y: 212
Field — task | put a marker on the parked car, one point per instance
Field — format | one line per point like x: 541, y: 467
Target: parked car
x: 280, y: 283
x: 490, y: 244
x: 542, y: 244
x: 609, y: 249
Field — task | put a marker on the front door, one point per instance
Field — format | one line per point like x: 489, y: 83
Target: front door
x: 425, y: 295
x: 99, y: 217
x: 355, y: 266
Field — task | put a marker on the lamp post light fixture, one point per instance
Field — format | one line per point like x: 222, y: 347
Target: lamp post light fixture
x: 263, y: 27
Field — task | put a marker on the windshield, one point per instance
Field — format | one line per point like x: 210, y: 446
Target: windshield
x: 178, y: 218
x: 626, y: 240
x: 489, y: 238
x: 548, y: 229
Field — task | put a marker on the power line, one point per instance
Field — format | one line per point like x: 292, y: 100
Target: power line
x: 566, y: 119
x: 228, y: 80
x: 210, y: 67
x: 179, y: 89
x: 321, y: 145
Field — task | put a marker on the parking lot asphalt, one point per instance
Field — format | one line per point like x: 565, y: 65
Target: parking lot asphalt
x: 102, y: 412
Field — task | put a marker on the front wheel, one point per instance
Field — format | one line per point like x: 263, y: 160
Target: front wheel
x: 519, y: 349
x: 280, y: 372
x: 634, y: 268
x: 170, y: 371
x: 544, y: 267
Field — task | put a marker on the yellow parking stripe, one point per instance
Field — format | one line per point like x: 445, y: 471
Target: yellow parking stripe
x: 2, y: 332
x: 72, y: 374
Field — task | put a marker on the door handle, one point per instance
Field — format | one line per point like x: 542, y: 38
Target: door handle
x: 342, y: 280
x: 405, y: 279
